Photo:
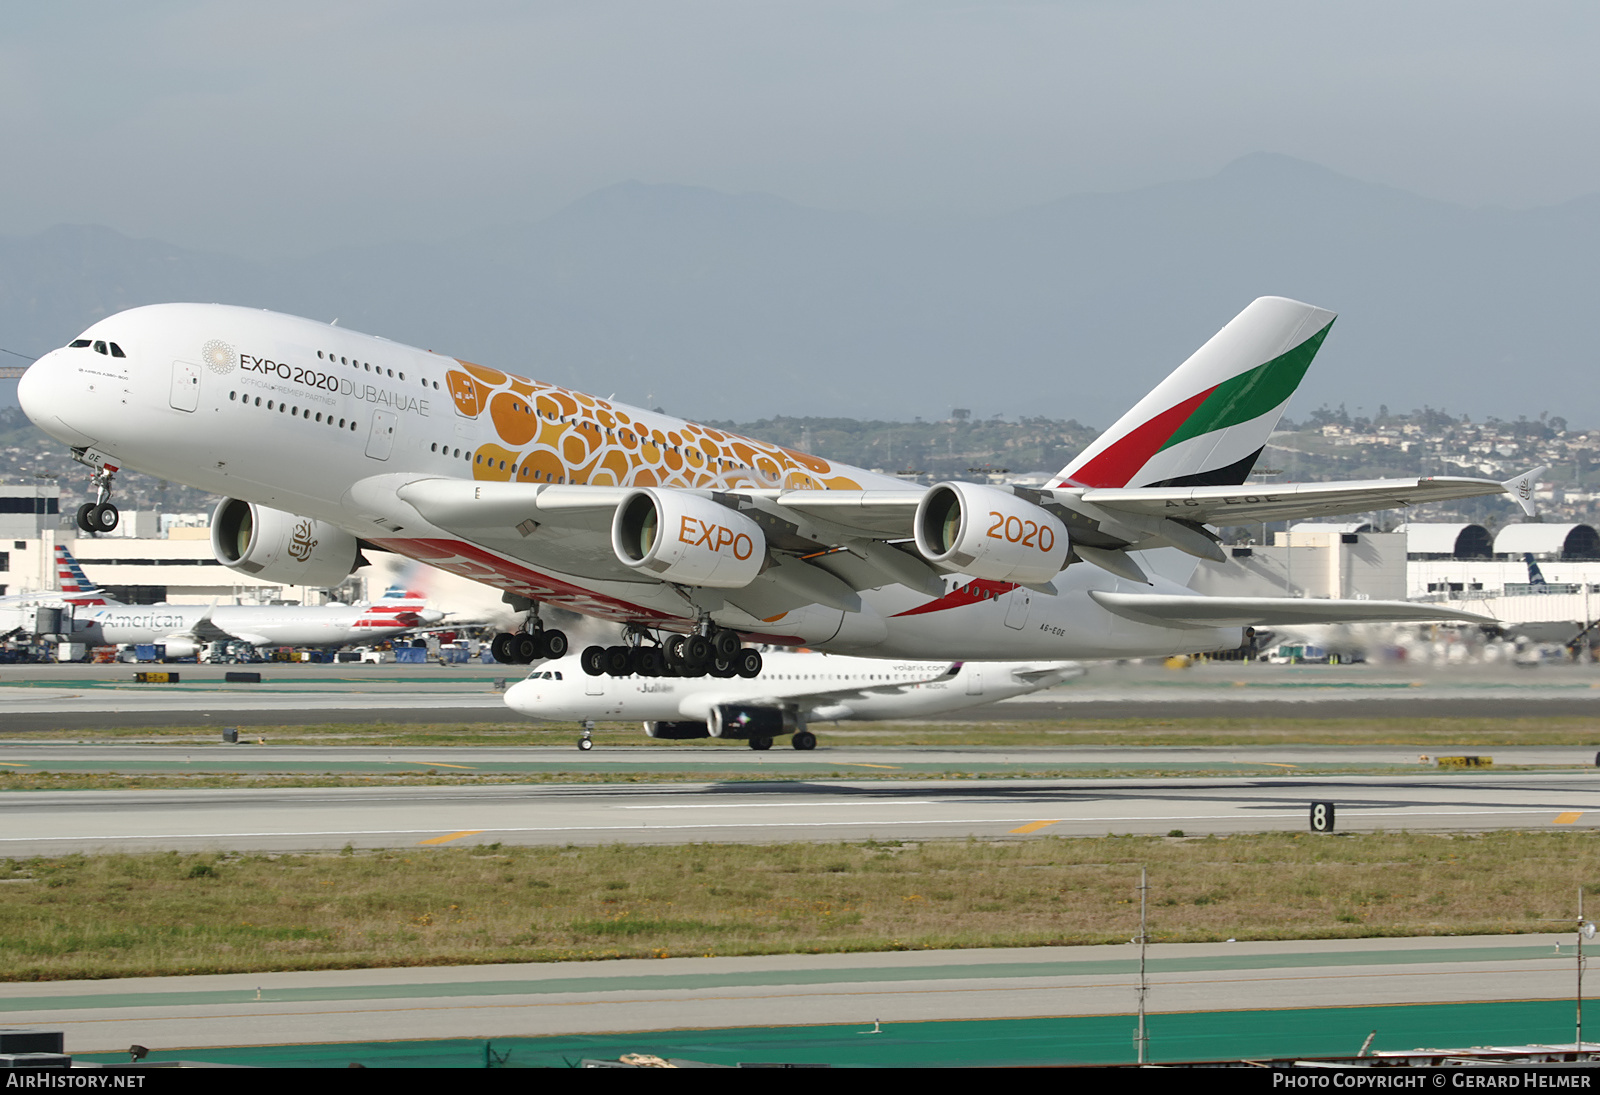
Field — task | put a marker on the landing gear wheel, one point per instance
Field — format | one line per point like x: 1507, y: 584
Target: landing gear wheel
x: 97, y: 517
x: 526, y: 648
x: 747, y: 663
x: 725, y: 643
x: 672, y: 655
x: 804, y: 740
x: 500, y: 648
x: 556, y: 645
x: 761, y: 744
x: 619, y: 660
x: 720, y: 668
x: 593, y: 660
x: 585, y: 744
x: 650, y: 661
x: 697, y: 650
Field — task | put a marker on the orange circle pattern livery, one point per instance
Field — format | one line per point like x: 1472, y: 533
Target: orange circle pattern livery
x: 553, y: 435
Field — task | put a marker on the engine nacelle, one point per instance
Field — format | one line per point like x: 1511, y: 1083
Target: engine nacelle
x: 280, y: 547
x: 180, y: 648
x: 990, y: 533
x: 733, y: 720
x: 687, y: 539
x: 677, y: 731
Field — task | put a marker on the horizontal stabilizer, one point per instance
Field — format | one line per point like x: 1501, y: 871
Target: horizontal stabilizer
x: 1196, y: 611
x: 1290, y: 501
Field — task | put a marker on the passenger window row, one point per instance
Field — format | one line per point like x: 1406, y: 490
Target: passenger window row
x: 293, y: 412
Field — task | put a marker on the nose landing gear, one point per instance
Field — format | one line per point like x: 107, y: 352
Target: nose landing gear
x: 99, y: 515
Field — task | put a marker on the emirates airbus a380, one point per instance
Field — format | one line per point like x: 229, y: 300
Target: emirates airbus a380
x: 323, y: 440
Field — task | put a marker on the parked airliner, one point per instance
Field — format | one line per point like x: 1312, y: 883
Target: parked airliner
x: 793, y: 690
x: 99, y: 620
x: 323, y: 440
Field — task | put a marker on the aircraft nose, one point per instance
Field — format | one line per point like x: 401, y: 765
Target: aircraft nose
x: 517, y: 697
x: 46, y: 396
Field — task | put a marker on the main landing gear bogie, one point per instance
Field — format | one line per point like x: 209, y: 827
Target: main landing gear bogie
x: 720, y: 654
x: 527, y: 647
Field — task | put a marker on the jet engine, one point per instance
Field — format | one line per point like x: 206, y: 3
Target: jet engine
x: 280, y: 547
x: 732, y: 720
x: 990, y: 533
x: 687, y: 539
x: 677, y: 731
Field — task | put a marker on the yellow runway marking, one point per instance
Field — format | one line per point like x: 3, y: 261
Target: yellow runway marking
x: 10, y: 764
x: 448, y: 837
x: 1278, y: 764
x: 436, y: 764
x: 1568, y: 817
x: 858, y: 764
x: 1035, y: 826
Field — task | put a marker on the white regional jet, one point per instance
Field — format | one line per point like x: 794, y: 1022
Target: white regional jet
x: 792, y: 690
x: 323, y: 439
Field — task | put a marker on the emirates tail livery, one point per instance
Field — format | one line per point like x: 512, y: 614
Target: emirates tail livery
x: 323, y: 440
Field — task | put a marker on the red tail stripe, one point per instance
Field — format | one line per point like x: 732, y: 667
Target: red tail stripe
x: 1120, y: 460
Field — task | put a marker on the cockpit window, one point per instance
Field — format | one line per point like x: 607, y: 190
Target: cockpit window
x: 78, y: 344
x: 100, y: 347
x: 116, y: 351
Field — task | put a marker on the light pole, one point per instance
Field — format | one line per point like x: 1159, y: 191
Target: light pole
x: 1141, y: 1037
x: 1585, y: 931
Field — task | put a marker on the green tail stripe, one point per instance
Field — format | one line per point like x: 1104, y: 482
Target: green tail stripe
x: 1252, y: 394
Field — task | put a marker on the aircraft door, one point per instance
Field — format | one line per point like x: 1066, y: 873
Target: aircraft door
x: 974, y: 679
x: 185, y: 386
x: 1017, y: 610
x: 380, y: 442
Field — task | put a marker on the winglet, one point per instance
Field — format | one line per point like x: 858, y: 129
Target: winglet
x: 1520, y: 487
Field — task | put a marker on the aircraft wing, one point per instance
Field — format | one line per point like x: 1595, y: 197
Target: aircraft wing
x: 698, y: 705
x: 827, y: 545
x: 1299, y: 501
x: 1198, y: 611
x: 204, y: 630
x: 1062, y: 671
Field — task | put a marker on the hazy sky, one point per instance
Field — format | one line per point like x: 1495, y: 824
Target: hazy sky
x: 270, y: 129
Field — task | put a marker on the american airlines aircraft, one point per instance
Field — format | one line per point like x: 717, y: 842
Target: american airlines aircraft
x: 99, y: 620
x: 323, y: 440
x: 792, y: 691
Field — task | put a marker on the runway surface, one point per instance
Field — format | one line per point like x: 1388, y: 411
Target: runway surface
x: 83, y: 697
x: 828, y: 760
x: 56, y: 822
x: 168, y: 1013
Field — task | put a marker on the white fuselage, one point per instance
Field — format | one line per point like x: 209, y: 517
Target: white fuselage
x: 818, y: 686
x: 330, y: 424
x: 260, y: 625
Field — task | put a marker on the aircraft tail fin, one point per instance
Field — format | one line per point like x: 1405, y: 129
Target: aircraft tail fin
x: 74, y: 584
x: 1207, y: 422
x: 398, y: 607
x: 1535, y: 575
